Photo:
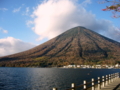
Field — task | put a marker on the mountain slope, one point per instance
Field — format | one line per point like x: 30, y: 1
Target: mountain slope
x: 75, y: 46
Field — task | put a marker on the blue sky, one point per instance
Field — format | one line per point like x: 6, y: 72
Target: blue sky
x: 27, y: 23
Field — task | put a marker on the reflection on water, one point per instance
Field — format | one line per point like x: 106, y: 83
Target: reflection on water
x: 46, y: 78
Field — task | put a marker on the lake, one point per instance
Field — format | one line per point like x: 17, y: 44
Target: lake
x: 46, y: 78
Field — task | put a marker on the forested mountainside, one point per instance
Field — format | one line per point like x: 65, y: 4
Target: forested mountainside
x: 75, y: 46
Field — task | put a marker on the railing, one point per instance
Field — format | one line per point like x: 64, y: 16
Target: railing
x: 100, y: 82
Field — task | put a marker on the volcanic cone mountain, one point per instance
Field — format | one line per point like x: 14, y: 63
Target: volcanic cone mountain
x: 75, y: 46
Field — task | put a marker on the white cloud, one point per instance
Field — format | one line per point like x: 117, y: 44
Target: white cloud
x: 11, y: 45
x: 53, y: 17
x: 3, y: 9
x: 85, y: 2
x: 28, y: 23
x: 3, y: 30
x: 27, y: 9
x: 16, y: 10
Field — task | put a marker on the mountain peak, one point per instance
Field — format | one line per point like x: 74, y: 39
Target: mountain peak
x: 75, y: 46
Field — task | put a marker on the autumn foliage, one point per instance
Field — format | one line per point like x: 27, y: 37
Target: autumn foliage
x: 114, y: 7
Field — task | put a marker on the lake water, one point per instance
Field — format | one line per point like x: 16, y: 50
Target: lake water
x: 46, y: 78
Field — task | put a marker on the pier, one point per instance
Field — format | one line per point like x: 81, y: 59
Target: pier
x: 108, y: 82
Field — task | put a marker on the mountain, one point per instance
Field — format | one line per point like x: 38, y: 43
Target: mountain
x: 75, y: 46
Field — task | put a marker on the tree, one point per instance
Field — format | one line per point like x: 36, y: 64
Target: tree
x: 114, y: 7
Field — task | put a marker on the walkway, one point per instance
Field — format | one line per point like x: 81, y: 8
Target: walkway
x: 112, y: 86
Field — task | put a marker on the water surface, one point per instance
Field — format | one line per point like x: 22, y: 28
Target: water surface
x: 46, y: 78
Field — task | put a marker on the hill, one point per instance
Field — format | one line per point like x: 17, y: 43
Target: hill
x: 75, y: 46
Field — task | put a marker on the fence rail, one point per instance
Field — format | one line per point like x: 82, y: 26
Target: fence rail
x: 100, y: 82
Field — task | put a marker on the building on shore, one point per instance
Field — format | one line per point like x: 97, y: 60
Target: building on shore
x: 93, y: 66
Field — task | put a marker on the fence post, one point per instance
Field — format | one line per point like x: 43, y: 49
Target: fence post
x: 84, y: 86
x: 93, y: 84
x: 99, y: 86
x: 73, y: 86
x: 113, y: 76
x: 109, y: 78
x: 106, y: 79
x: 103, y: 81
x: 118, y: 74
x: 54, y: 88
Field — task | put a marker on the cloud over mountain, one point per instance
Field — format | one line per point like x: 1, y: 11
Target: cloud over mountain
x: 11, y: 45
x: 53, y: 17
